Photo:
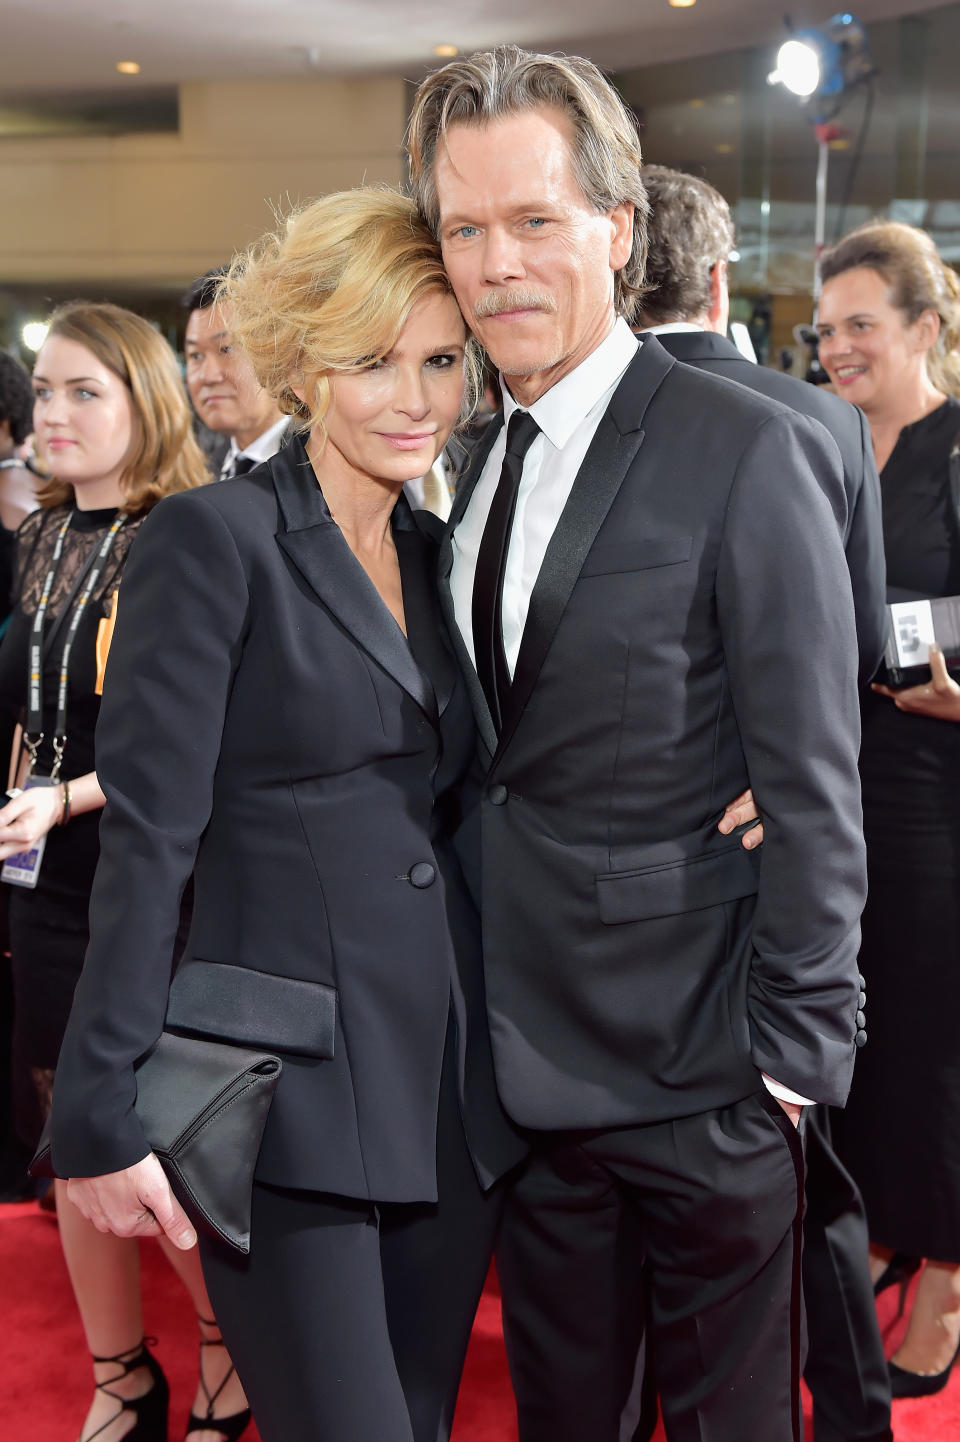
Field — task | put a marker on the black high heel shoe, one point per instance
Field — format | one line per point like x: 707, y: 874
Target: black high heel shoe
x: 898, y: 1272
x: 150, y: 1407
x: 232, y: 1427
x: 919, y: 1384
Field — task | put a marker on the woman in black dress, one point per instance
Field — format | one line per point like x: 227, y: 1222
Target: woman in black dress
x: 112, y: 422
x: 889, y: 321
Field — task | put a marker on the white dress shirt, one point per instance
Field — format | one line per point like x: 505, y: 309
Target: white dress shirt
x: 568, y: 415
x: 265, y: 446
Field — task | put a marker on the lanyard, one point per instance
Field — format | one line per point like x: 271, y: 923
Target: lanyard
x: 33, y: 736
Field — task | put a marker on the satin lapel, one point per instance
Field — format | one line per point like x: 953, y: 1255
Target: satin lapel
x: 617, y: 440
x: 465, y: 488
x: 417, y: 549
x: 315, y: 545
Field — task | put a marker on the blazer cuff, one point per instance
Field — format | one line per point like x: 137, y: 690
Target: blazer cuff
x: 784, y: 1094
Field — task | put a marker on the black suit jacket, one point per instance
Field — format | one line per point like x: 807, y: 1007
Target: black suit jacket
x: 863, y: 531
x: 691, y: 631
x: 266, y: 726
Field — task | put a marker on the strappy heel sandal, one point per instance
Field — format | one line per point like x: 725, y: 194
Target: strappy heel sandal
x: 231, y: 1428
x: 150, y: 1407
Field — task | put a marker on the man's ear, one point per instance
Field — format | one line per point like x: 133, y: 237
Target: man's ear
x: 718, y: 313
x: 621, y: 244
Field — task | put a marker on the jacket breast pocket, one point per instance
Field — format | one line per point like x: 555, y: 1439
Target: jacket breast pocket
x: 644, y: 554
x: 254, y: 1008
x: 669, y: 888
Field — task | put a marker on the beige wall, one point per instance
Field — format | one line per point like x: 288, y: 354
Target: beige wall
x: 161, y: 209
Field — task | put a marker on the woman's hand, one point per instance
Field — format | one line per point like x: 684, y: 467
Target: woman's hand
x: 136, y: 1202
x: 739, y: 811
x: 940, y: 697
x: 28, y: 817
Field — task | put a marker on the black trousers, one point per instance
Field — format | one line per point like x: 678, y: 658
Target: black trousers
x: 713, y: 1204
x: 350, y: 1322
x: 846, y: 1369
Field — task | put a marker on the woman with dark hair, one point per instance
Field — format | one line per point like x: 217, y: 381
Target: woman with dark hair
x: 283, y: 720
x: 112, y: 422
x: 889, y: 324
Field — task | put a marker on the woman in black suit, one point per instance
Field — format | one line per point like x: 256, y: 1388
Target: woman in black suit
x: 283, y: 720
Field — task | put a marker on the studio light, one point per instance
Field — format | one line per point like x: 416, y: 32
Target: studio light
x: 824, y: 65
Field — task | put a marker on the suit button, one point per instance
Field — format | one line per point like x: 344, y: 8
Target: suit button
x: 860, y: 1019
x: 422, y: 875
x: 498, y: 795
x: 860, y: 1038
x: 862, y: 1001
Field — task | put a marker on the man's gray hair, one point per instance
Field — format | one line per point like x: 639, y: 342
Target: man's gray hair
x: 507, y: 81
x: 690, y: 229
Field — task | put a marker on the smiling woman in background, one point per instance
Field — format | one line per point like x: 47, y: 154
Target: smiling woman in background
x: 889, y: 322
x: 283, y: 720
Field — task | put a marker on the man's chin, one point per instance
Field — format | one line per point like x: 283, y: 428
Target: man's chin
x: 522, y: 361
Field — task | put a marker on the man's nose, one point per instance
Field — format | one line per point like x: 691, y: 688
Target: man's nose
x: 502, y: 259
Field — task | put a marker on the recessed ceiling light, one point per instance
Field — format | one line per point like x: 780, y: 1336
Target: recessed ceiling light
x: 446, y: 51
x: 682, y: 4
x: 724, y: 148
x: 128, y: 67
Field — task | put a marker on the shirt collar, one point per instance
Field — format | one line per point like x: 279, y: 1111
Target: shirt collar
x: 565, y: 406
x: 266, y: 445
x: 674, y: 327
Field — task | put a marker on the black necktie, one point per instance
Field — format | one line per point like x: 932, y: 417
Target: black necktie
x: 241, y: 465
x: 491, y: 564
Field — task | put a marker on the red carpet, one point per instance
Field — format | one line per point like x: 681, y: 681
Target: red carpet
x: 45, y: 1379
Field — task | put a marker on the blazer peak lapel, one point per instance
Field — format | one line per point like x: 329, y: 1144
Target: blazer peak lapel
x: 313, y: 541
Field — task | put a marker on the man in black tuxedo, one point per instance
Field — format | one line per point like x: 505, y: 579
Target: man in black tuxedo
x: 226, y: 394
x: 647, y: 626
x: 690, y: 239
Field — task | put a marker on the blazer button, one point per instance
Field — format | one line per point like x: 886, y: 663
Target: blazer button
x: 422, y: 875
x: 860, y: 1038
x: 498, y: 795
x: 860, y: 1019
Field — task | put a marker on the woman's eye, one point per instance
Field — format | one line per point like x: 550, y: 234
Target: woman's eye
x: 83, y: 394
x: 41, y: 393
x: 441, y: 362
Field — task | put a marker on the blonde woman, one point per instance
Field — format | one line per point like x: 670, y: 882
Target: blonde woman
x: 284, y: 720
x: 889, y: 325
x: 113, y: 424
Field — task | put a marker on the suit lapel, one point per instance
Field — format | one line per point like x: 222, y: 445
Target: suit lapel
x: 465, y: 488
x: 314, y: 543
x: 612, y: 451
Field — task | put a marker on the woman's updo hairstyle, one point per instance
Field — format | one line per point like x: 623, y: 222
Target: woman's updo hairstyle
x: 330, y: 290
x: 909, y: 262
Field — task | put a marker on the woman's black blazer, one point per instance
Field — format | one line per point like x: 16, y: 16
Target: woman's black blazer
x: 267, y: 727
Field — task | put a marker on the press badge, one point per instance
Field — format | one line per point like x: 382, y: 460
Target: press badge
x: 23, y: 868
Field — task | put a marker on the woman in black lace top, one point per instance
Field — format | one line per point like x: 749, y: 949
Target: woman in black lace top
x: 889, y: 325
x: 114, y: 426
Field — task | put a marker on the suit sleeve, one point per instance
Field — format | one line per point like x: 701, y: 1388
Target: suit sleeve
x: 787, y: 624
x: 865, y: 559
x: 179, y: 633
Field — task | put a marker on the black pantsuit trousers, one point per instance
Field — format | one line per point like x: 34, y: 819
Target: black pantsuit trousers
x: 350, y: 1322
x: 713, y: 1202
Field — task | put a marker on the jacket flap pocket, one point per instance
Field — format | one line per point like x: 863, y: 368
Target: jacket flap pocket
x: 667, y: 889
x: 254, y: 1008
x: 643, y: 554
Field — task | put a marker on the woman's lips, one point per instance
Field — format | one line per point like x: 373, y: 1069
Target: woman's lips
x: 407, y: 442
x: 846, y: 374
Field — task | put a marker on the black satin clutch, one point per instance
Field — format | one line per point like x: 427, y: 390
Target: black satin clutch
x: 203, y: 1107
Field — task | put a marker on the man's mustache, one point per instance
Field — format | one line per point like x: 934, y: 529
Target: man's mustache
x: 497, y: 301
